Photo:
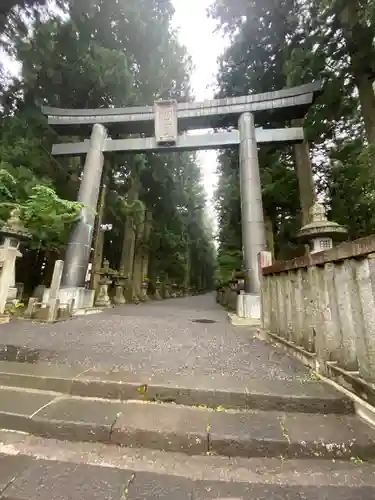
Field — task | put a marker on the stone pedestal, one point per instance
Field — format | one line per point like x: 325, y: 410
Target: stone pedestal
x: 166, y: 293
x: 144, y: 290
x: 157, y: 295
x: 248, y: 310
x: 79, y: 297
x: 103, y: 300
x: 119, y: 298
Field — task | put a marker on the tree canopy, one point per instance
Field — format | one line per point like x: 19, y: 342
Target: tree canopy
x: 92, y: 54
x: 291, y: 42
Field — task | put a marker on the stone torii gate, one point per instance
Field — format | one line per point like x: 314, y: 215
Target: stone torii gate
x: 165, y: 124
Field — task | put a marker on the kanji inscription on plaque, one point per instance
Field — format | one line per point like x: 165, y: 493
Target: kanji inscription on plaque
x: 166, y: 130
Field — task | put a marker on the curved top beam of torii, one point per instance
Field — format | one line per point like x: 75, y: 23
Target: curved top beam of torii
x: 286, y: 104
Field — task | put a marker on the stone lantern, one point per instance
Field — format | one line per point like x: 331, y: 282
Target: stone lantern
x: 166, y: 290
x: 120, y: 284
x: 174, y: 290
x: 157, y: 295
x: 144, y: 290
x: 320, y: 233
x: 12, y: 233
x: 103, y: 300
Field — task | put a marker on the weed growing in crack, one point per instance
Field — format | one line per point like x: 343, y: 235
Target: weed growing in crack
x: 284, y: 431
x: 208, y: 432
x: 125, y: 493
x: 310, y: 377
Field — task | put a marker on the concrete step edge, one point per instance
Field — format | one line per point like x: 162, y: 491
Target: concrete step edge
x: 248, y: 470
x: 189, y: 430
x: 122, y: 390
x: 23, y: 474
x: 190, y: 444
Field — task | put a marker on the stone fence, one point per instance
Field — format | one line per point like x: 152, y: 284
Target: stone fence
x: 226, y: 295
x: 323, y: 306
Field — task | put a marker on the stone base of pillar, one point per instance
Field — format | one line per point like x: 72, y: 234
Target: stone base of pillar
x: 248, y: 310
x: 79, y: 297
x: 119, y: 298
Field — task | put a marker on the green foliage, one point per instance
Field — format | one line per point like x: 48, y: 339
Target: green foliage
x: 284, y: 43
x: 92, y: 54
x: 48, y: 217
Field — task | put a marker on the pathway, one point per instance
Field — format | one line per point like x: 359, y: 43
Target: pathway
x: 155, y: 338
x: 168, y: 400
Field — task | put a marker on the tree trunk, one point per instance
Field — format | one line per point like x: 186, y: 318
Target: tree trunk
x: 305, y: 176
x: 138, y: 261
x: 188, y: 267
x: 137, y: 277
x: 359, y: 43
x: 367, y: 100
x: 99, y: 235
x: 128, y: 245
x: 304, y: 170
x: 270, y: 235
x: 145, y: 248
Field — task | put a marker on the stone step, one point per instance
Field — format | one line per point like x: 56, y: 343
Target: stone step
x: 36, y: 468
x: 177, y: 428
x: 299, y: 395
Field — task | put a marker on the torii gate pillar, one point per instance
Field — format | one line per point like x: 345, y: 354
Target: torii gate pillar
x: 80, y: 240
x: 253, y: 234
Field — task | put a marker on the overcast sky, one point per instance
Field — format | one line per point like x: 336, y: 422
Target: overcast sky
x: 197, y: 34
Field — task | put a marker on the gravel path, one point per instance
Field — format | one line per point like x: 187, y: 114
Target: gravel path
x: 155, y: 338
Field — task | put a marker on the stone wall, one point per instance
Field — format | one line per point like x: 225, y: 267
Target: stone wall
x: 323, y: 305
x: 227, y: 297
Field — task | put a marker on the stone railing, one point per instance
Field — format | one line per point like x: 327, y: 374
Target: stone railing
x: 323, y: 306
x: 226, y: 295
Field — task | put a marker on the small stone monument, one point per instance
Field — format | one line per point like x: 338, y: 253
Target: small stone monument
x: 166, y: 291
x: 157, y: 295
x: 320, y: 233
x: 103, y: 300
x: 54, y: 301
x: 12, y: 233
x: 120, y: 284
x: 144, y: 291
x: 174, y: 290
